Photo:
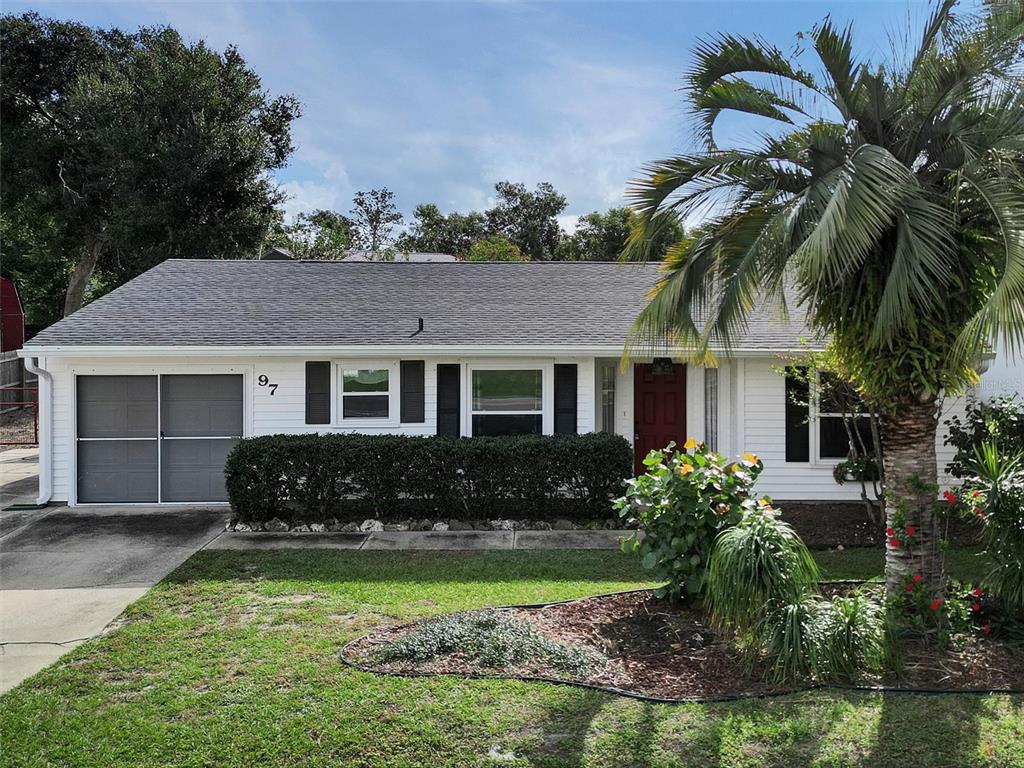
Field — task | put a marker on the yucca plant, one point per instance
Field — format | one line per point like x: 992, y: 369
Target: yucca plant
x: 784, y: 636
x: 756, y: 566
x: 849, y: 638
x: 885, y: 199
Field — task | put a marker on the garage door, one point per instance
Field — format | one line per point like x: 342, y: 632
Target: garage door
x: 156, y: 438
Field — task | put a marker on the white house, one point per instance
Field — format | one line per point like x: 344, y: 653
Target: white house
x: 143, y: 392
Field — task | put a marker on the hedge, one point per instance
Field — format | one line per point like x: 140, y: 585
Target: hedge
x: 315, y: 477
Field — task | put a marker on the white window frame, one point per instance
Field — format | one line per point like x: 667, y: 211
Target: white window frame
x: 394, y: 393
x: 547, y: 412
x: 815, y: 416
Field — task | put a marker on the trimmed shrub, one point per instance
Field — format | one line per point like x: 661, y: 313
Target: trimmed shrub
x: 314, y: 477
x: 680, y: 505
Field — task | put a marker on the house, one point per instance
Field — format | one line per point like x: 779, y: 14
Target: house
x: 145, y: 390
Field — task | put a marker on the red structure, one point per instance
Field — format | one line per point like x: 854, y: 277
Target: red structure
x: 12, y: 317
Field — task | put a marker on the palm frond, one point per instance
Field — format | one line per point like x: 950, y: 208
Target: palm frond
x: 738, y: 96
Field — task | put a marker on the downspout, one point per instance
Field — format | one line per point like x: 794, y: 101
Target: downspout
x: 45, y: 406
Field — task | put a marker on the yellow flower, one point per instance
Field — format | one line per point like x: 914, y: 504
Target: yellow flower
x: 750, y: 457
x: 690, y: 444
x: 686, y: 469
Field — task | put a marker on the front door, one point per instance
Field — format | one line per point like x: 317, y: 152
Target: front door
x: 659, y: 408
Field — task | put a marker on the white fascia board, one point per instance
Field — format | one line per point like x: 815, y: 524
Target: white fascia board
x: 367, y: 350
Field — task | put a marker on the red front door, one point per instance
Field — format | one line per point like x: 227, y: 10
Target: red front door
x: 659, y: 409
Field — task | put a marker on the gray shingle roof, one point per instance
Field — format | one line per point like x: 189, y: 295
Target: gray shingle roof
x: 298, y: 303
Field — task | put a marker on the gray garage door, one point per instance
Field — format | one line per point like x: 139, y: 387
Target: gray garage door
x: 136, y: 447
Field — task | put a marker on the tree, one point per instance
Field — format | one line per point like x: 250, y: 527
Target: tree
x: 603, y: 236
x: 528, y: 218
x: 374, y: 217
x: 891, y: 198
x: 134, y: 148
x: 320, y: 234
x: 435, y: 232
x: 494, y: 248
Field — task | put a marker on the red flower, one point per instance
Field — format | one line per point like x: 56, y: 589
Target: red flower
x: 976, y: 607
x: 911, y: 530
x: 986, y: 629
x: 890, y: 531
x: 976, y: 591
x: 949, y: 496
x: 978, y: 512
x: 908, y: 586
x: 936, y: 603
x: 975, y: 494
x: 917, y: 578
x: 894, y: 543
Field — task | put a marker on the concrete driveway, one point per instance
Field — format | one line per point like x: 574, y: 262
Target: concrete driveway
x: 67, y: 573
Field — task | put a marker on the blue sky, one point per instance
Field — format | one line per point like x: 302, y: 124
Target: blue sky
x: 438, y: 101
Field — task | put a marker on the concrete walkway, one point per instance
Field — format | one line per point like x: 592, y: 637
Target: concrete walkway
x: 422, y: 540
x: 19, y: 476
x: 67, y: 573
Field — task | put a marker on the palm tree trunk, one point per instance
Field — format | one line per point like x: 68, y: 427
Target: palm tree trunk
x: 908, y: 454
x: 81, y: 275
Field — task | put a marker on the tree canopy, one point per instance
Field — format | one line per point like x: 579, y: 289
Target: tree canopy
x: 122, y: 149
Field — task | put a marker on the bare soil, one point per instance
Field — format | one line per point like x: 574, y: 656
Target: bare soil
x: 17, y: 426
x: 670, y: 651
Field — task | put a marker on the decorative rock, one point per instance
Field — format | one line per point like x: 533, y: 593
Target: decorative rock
x: 562, y: 524
x: 424, y: 525
x: 611, y: 524
x: 337, y: 525
x: 230, y: 525
x: 275, y: 525
x: 594, y: 525
x: 350, y: 527
x: 539, y: 525
x: 502, y: 525
x: 301, y: 528
x: 439, y: 526
x: 242, y: 528
x: 459, y: 525
x: 396, y: 527
x: 317, y: 527
x: 371, y: 525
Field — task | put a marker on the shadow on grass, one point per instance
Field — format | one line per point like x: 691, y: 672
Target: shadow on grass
x: 414, y: 567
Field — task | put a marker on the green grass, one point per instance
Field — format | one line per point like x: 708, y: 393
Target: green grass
x: 233, y: 662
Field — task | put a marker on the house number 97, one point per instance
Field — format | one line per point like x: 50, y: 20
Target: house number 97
x: 263, y: 381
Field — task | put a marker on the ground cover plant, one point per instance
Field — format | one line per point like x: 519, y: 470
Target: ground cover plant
x: 232, y: 661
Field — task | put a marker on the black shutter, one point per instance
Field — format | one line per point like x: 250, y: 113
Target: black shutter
x: 412, y: 392
x: 798, y: 435
x: 448, y: 386
x: 318, y: 392
x: 565, y: 399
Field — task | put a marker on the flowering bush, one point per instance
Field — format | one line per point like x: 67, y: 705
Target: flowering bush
x: 686, y: 497
x: 959, y: 612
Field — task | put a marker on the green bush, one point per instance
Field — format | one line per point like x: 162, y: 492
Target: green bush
x: 491, y: 639
x: 999, y: 420
x: 686, y: 497
x: 993, y: 490
x: 313, y: 477
x: 756, y: 566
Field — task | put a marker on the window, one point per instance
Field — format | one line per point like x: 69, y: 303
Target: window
x: 507, y: 402
x: 365, y: 393
x: 711, y: 408
x: 844, y: 426
x: 608, y: 397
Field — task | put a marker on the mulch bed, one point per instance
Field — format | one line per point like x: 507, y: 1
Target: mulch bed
x: 660, y: 650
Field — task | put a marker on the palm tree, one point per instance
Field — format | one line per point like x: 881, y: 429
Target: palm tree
x: 888, y: 200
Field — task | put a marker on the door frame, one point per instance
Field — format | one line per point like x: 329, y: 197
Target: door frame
x: 245, y: 371
x: 680, y: 369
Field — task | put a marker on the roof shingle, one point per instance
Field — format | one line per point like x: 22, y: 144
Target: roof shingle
x: 201, y: 302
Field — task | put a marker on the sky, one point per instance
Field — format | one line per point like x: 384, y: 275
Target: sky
x: 439, y: 100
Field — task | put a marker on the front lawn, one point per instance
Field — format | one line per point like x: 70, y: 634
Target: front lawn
x: 233, y: 662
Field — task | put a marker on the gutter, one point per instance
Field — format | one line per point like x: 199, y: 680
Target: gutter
x: 45, y: 405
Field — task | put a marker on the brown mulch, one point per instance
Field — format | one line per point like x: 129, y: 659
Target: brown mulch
x: 668, y: 651
x: 829, y: 524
